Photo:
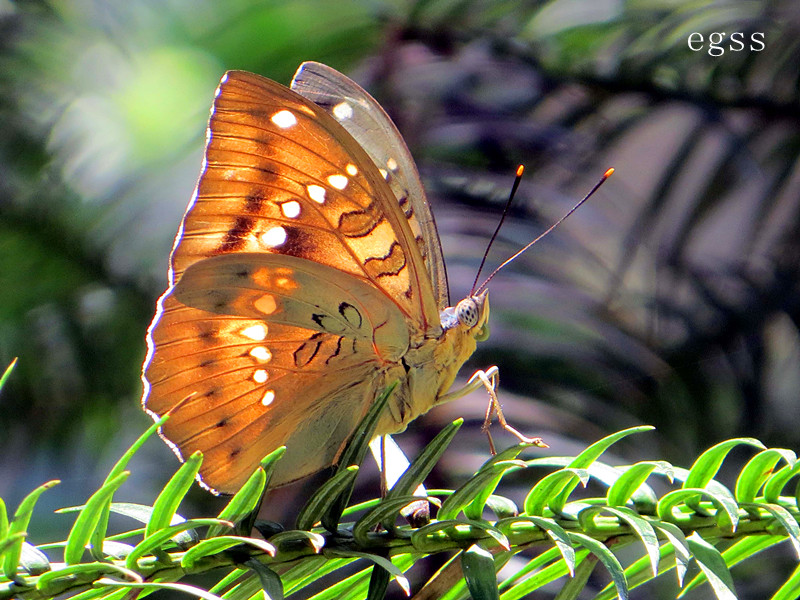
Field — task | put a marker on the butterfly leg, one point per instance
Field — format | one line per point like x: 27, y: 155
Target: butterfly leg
x: 488, y: 380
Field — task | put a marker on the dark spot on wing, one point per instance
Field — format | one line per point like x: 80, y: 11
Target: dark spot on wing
x: 235, y: 237
x: 254, y: 201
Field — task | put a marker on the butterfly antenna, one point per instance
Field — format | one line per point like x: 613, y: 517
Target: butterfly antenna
x: 517, y: 179
x: 605, y: 176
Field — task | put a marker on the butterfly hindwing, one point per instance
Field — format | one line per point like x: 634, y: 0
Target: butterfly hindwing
x: 296, y: 292
x: 245, y: 387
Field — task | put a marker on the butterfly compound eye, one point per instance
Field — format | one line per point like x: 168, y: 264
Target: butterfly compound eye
x: 467, y: 312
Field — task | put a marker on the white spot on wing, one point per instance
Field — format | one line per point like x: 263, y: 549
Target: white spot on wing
x: 351, y: 169
x: 274, y: 237
x: 257, y: 333
x: 284, y: 119
x: 316, y: 193
x: 260, y: 376
x: 261, y: 353
x: 291, y: 209
x: 338, y: 181
x: 342, y: 111
x: 384, y: 173
x: 392, y: 164
x: 269, y: 398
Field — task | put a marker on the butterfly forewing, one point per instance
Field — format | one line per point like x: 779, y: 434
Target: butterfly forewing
x: 282, y: 176
x: 362, y: 116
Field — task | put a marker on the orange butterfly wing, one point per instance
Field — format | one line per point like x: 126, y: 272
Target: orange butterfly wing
x: 364, y: 119
x: 296, y: 284
x: 272, y: 154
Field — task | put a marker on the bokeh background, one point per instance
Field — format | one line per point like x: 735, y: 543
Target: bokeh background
x: 671, y: 298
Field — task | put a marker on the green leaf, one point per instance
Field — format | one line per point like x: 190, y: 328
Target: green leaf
x: 12, y: 544
x: 142, y: 512
x: 55, y: 582
x: 247, y: 498
x: 707, y: 465
x: 447, y: 583
x: 550, y: 487
x: 104, y: 593
x: 178, y: 587
x: 607, y: 558
x: 596, y: 450
x: 501, y: 506
x: 575, y: 584
x: 640, y: 526
x: 638, y: 572
x: 588, y: 456
x: 474, y: 510
x: 456, y: 530
x: 750, y: 546
x: 3, y: 520
x: 315, y: 507
x: 758, y: 470
x: 271, y: 582
x: 215, y: 545
x: 778, y: 481
x: 476, y: 486
x: 425, y: 461
x: 166, y: 505
x: 353, y: 587
x: 479, y: 573
x: 246, y: 522
x: 19, y: 526
x: 297, y: 536
x: 89, y: 519
x: 311, y: 570
x: 540, y: 571
x: 632, y: 479
x: 785, y: 520
x: 99, y: 533
x: 160, y: 537
x: 599, y: 471
x: 378, y: 583
x: 384, y: 512
x: 680, y: 547
x: 727, y: 515
x: 713, y: 566
x: 383, y: 563
x: 790, y: 590
x: 358, y: 445
x: 7, y: 373
x: 551, y: 528
x: 229, y: 581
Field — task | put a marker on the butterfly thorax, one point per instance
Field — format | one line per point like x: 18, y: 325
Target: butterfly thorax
x: 430, y: 367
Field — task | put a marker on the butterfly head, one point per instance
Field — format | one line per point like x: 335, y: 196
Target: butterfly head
x: 471, y: 315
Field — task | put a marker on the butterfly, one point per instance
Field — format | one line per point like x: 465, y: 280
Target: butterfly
x: 306, y: 276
